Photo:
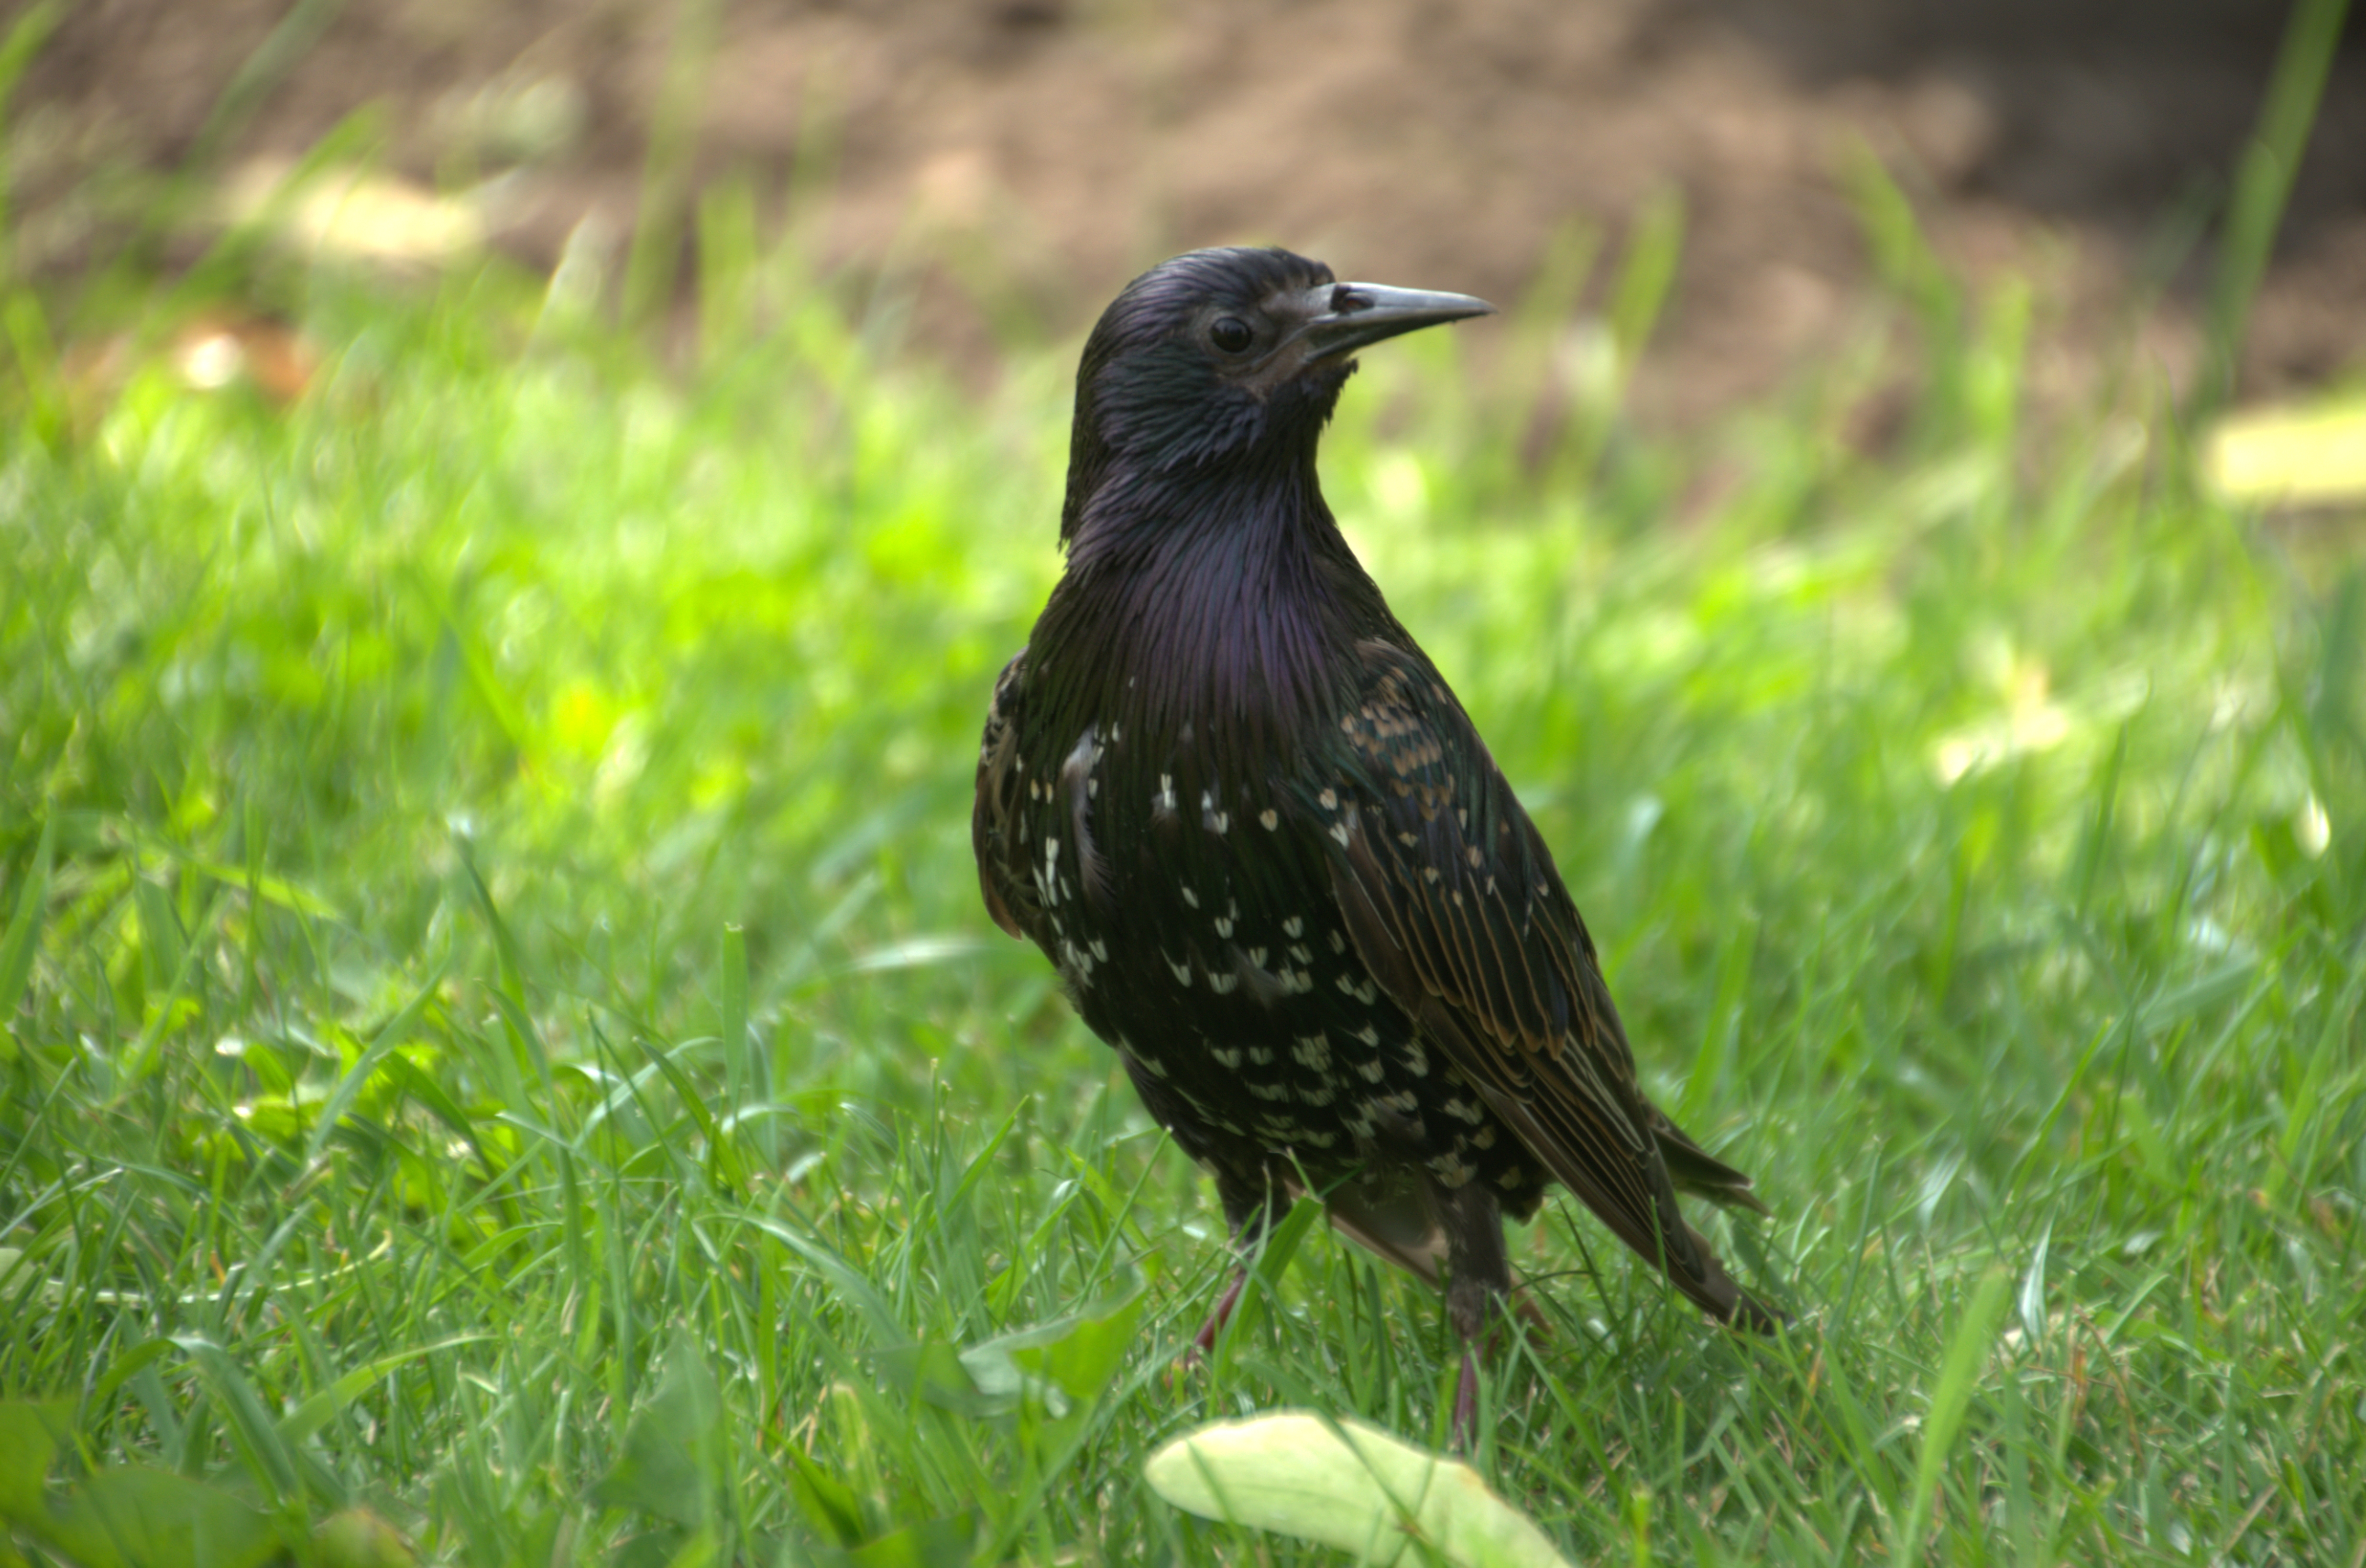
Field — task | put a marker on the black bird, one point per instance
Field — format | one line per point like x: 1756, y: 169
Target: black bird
x: 1231, y: 797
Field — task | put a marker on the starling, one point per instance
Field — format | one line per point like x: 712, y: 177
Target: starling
x: 1230, y: 797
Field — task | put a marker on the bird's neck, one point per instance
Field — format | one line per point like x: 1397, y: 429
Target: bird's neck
x: 1220, y: 595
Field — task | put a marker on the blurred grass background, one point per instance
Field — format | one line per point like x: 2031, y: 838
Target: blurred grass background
x: 502, y: 1042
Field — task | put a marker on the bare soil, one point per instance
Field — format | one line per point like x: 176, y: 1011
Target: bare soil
x: 1015, y: 160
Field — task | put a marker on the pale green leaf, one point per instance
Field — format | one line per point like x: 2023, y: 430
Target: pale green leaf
x: 1347, y: 1486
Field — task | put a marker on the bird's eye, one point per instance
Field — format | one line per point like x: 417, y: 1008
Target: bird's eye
x: 1231, y: 334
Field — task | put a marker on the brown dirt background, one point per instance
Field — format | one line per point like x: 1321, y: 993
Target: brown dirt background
x: 1017, y: 160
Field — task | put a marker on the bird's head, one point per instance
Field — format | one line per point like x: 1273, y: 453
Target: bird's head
x: 1234, y: 356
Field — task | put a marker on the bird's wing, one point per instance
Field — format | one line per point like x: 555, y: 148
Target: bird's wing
x: 1453, y: 902
x: 1010, y: 893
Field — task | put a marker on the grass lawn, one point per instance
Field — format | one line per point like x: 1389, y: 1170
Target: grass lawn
x: 498, y: 1034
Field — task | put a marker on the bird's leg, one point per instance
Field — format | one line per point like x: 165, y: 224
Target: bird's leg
x: 1465, y: 1431
x: 1204, y: 1341
x: 1479, y: 1282
x: 1252, y: 1203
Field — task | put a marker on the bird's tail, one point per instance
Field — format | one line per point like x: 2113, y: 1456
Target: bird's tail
x: 1710, y: 1288
x: 1696, y: 1170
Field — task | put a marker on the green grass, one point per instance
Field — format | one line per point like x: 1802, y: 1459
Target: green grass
x: 500, y: 1032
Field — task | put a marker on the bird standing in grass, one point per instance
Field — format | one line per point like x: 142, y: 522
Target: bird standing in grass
x: 1231, y: 797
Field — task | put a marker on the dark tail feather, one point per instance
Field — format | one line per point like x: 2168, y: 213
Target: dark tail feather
x: 1692, y: 1169
x: 1659, y: 1235
x: 1696, y: 1170
x: 1713, y: 1292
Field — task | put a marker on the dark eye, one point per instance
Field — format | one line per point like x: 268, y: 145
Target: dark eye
x: 1231, y: 334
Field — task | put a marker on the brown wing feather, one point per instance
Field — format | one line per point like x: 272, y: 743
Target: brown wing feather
x: 1453, y: 902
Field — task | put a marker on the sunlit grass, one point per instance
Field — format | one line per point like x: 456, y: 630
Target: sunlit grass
x: 500, y: 1030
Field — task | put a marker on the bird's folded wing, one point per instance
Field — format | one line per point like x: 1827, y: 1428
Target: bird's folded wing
x: 994, y: 818
x: 1453, y: 901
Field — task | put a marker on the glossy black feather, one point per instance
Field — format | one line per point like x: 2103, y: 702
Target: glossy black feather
x: 1225, y: 791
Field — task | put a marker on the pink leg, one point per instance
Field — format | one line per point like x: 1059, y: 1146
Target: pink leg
x: 1464, y: 1434
x: 1205, y: 1340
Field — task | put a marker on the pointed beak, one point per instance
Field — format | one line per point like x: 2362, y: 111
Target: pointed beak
x: 1343, y: 316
